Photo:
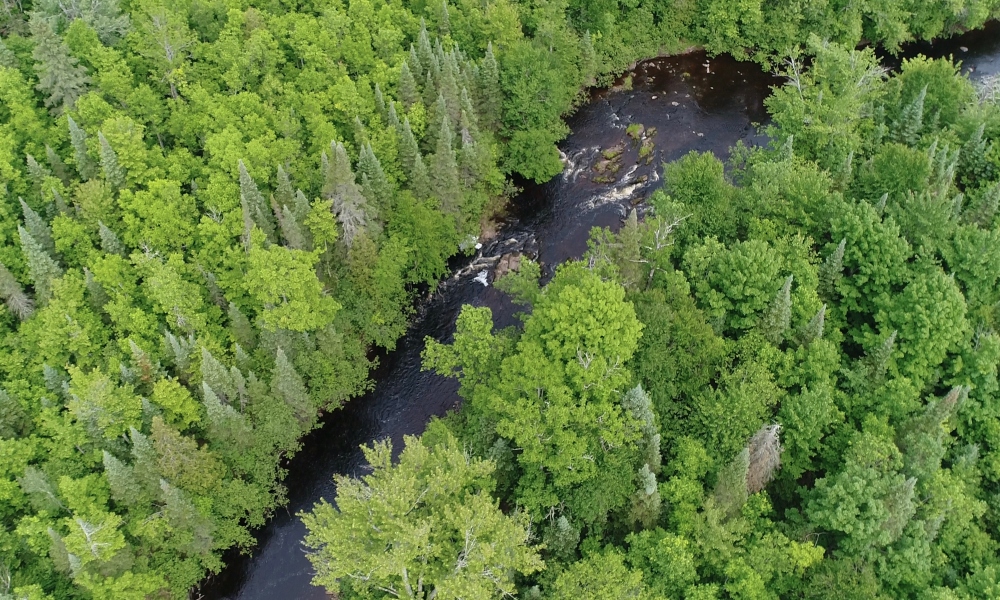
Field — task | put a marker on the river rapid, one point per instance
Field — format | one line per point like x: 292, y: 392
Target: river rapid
x: 694, y: 103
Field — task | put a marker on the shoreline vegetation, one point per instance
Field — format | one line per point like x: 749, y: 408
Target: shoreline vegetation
x: 211, y: 210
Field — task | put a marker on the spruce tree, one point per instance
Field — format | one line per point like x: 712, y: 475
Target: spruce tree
x: 414, y: 62
x: 14, y: 420
x: 57, y: 199
x: 215, y: 375
x: 409, y: 94
x: 96, y: 296
x: 109, y: 240
x: 814, y: 328
x: 241, y: 328
x: 256, y: 205
x: 353, y: 211
x: 985, y: 210
x: 192, y: 529
x: 37, y: 172
x: 393, y: 117
x: 831, y: 272
x: 114, y: 173
x: 424, y: 51
x: 468, y: 121
x: 291, y: 231
x: 226, y: 426
x: 285, y: 193
x: 57, y: 165
x: 42, y: 268
x: 489, y: 96
x: 444, y: 23
x: 18, y: 303
x: 125, y: 489
x: 380, y: 100
x: 375, y: 185
x: 640, y: 407
x: 430, y: 87
x: 37, y: 227
x: 778, y: 317
x: 408, y: 149
x: 287, y: 385
x: 911, y: 120
x: 562, y: 539
x: 300, y: 206
x: 60, y: 76
x: 444, y: 172
x: 449, y: 89
x: 85, y: 165
x: 420, y: 181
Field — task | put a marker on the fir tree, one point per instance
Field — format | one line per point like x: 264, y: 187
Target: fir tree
x: 300, y: 206
x: 37, y: 172
x: 125, y: 489
x: 180, y: 350
x: 96, y: 296
x: 444, y: 23
x: 778, y: 317
x: 288, y: 385
x: 42, y: 268
x: 449, y: 89
x: 85, y: 166
x: 36, y: 486
x: 215, y: 375
x: 109, y: 240
x: 114, y: 173
x: 57, y: 199
x: 375, y: 185
x: 408, y: 149
x: 226, y: 426
x: 430, y: 88
x: 985, y: 210
x: 420, y: 181
x: 911, y: 120
x: 255, y: 203
x: 37, y: 227
x: 489, y: 96
x: 18, y: 303
x: 58, y: 166
x: 241, y: 328
x: 922, y: 440
x: 291, y: 231
x: 393, y: 117
x: 467, y: 121
x: 349, y: 204
x: 731, y: 486
x: 814, y: 328
x: 60, y: 76
x: 285, y: 193
x: 414, y: 62
x: 424, y: 51
x: 830, y: 273
x: 380, y: 100
x: 408, y: 92
x: 184, y: 516
x: 444, y: 172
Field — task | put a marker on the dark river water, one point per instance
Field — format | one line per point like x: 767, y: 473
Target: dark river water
x: 695, y: 103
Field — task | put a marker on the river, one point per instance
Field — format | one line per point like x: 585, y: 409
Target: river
x: 694, y: 103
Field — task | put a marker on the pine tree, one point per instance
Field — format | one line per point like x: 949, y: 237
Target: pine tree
x: 488, y: 98
x: 830, y: 273
x: 408, y: 92
x: 731, y: 487
x: 375, y: 185
x: 444, y: 172
x: 37, y: 227
x: 85, y: 165
x: 114, y: 173
x: 288, y: 385
x: 255, y: 203
x: 109, y: 240
x: 58, y: 166
x: 911, y: 120
x: 778, y: 317
x: 42, y: 268
x: 125, y: 489
x: 60, y: 76
x: 814, y: 328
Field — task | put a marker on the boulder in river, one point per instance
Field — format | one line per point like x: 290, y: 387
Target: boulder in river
x: 506, y: 264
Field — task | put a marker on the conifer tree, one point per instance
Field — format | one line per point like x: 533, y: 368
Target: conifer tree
x: 985, y: 210
x: 379, y: 100
x: 37, y: 227
x: 489, y: 96
x: 814, y: 328
x: 109, y: 240
x: 60, y: 76
x: 222, y: 381
x: 37, y: 172
x: 731, y: 487
x: 444, y: 172
x: 60, y: 203
x: 449, y: 90
x: 40, y: 492
x: 922, y: 440
x: 7, y: 58
x: 393, y: 117
x: 640, y: 406
x: 190, y: 526
x: 114, y: 173
x: 588, y: 59
x: 645, y: 509
x: 444, y: 24
x: 57, y: 165
x: 408, y: 149
x: 14, y: 421
x: 353, y: 212
x: 468, y: 121
x: 424, y: 50
x: 374, y: 183
x: 226, y: 426
x: 420, y: 181
x: 284, y: 193
x: 256, y: 205
x: 414, y: 62
x: 911, y: 120
x: 85, y: 165
x: 409, y: 94
x: 291, y: 231
x: 562, y: 539
x: 288, y: 385
x: 241, y: 328
x: 42, y: 268
x: 18, y: 303
x: 778, y: 317
x: 125, y: 489
x: 830, y: 273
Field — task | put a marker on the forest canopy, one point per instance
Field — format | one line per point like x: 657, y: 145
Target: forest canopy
x: 212, y: 210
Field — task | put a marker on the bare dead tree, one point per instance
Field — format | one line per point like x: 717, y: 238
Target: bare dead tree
x: 765, y: 457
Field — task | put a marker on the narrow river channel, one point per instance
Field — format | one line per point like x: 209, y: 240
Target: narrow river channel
x: 694, y: 103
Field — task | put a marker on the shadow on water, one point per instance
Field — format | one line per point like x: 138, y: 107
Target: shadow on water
x: 695, y: 103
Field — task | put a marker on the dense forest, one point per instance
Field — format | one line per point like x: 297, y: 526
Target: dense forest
x: 781, y: 383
